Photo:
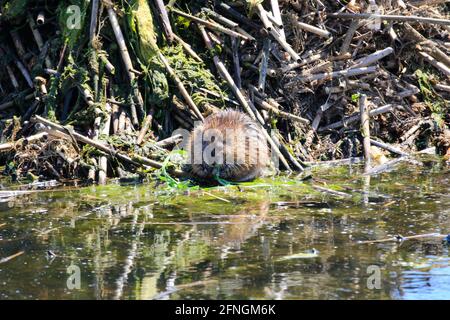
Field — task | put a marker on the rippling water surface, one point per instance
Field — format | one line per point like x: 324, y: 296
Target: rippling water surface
x: 273, y: 239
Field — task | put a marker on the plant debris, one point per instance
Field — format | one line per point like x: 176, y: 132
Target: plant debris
x: 93, y: 90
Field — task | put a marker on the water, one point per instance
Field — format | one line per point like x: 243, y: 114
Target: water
x: 274, y: 239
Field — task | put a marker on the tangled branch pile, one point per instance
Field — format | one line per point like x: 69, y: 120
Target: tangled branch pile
x: 94, y: 89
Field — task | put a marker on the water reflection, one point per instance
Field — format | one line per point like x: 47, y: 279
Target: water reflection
x: 252, y: 242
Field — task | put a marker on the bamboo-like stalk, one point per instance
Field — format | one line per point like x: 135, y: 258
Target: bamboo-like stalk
x: 215, y: 94
x: 24, y: 72
x: 103, y: 160
x: 167, y: 28
x: 38, y: 38
x: 12, y: 77
x: 277, y: 16
x: 170, y: 141
x: 267, y: 106
x: 115, y: 118
x: 10, y: 104
x: 372, y: 58
x: 40, y: 19
x: 220, y: 18
x: 94, y: 21
x: 210, y: 25
x: 128, y: 64
x: 314, y: 58
x: 269, y: 27
x: 349, y: 36
x: 18, y: 44
x: 437, y: 53
x: 275, y: 23
x: 264, y: 65
x: 365, y: 129
x: 11, y: 257
x: 385, y: 17
x: 236, y: 63
x: 438, y: 86
x: 242, y: 100
x: 237, y: 15
x: 355, y: 117
x: 388, y: 147
x: 437, y: 64
x: 336, y: 74
x: 145, y: 127
x: 12, y: 145
x: 181, y: 87
x: 317, y: 31
x: 108, y: 65
x: 262, y: 13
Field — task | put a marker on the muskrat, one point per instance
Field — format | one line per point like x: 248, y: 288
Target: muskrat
x: 228, y: 145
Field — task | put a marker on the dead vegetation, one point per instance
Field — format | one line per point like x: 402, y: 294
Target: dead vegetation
x: 105, y: 92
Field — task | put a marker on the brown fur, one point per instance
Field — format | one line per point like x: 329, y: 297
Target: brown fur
x: 239, y: 132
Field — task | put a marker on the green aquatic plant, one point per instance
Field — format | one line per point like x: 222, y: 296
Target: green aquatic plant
x: 143, y: 33
x: 437, y: 105
x: 194, y: 74
x: 13, y: 9
x: 163, y: 174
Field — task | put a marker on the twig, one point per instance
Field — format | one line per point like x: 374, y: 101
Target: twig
x: 384, y: 17
x: 336, y: 74
x: 38, y: 38
x: 437, y: 64
x: 220, y: 18
x: 349, y: 36
x: 12, y: 145
x: 277, y: 15
x: 269, y: 27
x: 127, y: 62
x: 211, y: 25
x: 355, y: 117
x: 286, y: 115
x: 365, y: 129
x: 333, y: 192
x: 236, y: 63
x: 263, y: 65
x: 339, y: 162
x: 384, y: 167
x: 317, y: 31
x: 437, y: 53
x: 388, y: 147
x: 399, y: 238
x: 103, y: 161
x: 145, y: 127
x: 165, y: 20
x: 94, y: 20
x: 438, y: 86
x: 372, y: 58
x: 170, y: 141
x: 237, y: 15
x: 4, y: 260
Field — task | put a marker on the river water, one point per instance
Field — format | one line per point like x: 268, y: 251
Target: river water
x: 281, y: 238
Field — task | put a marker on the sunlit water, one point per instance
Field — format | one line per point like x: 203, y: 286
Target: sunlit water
x: 276, y: 239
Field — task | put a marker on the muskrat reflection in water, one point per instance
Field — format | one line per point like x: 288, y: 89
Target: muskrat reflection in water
x: 228, y: 145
